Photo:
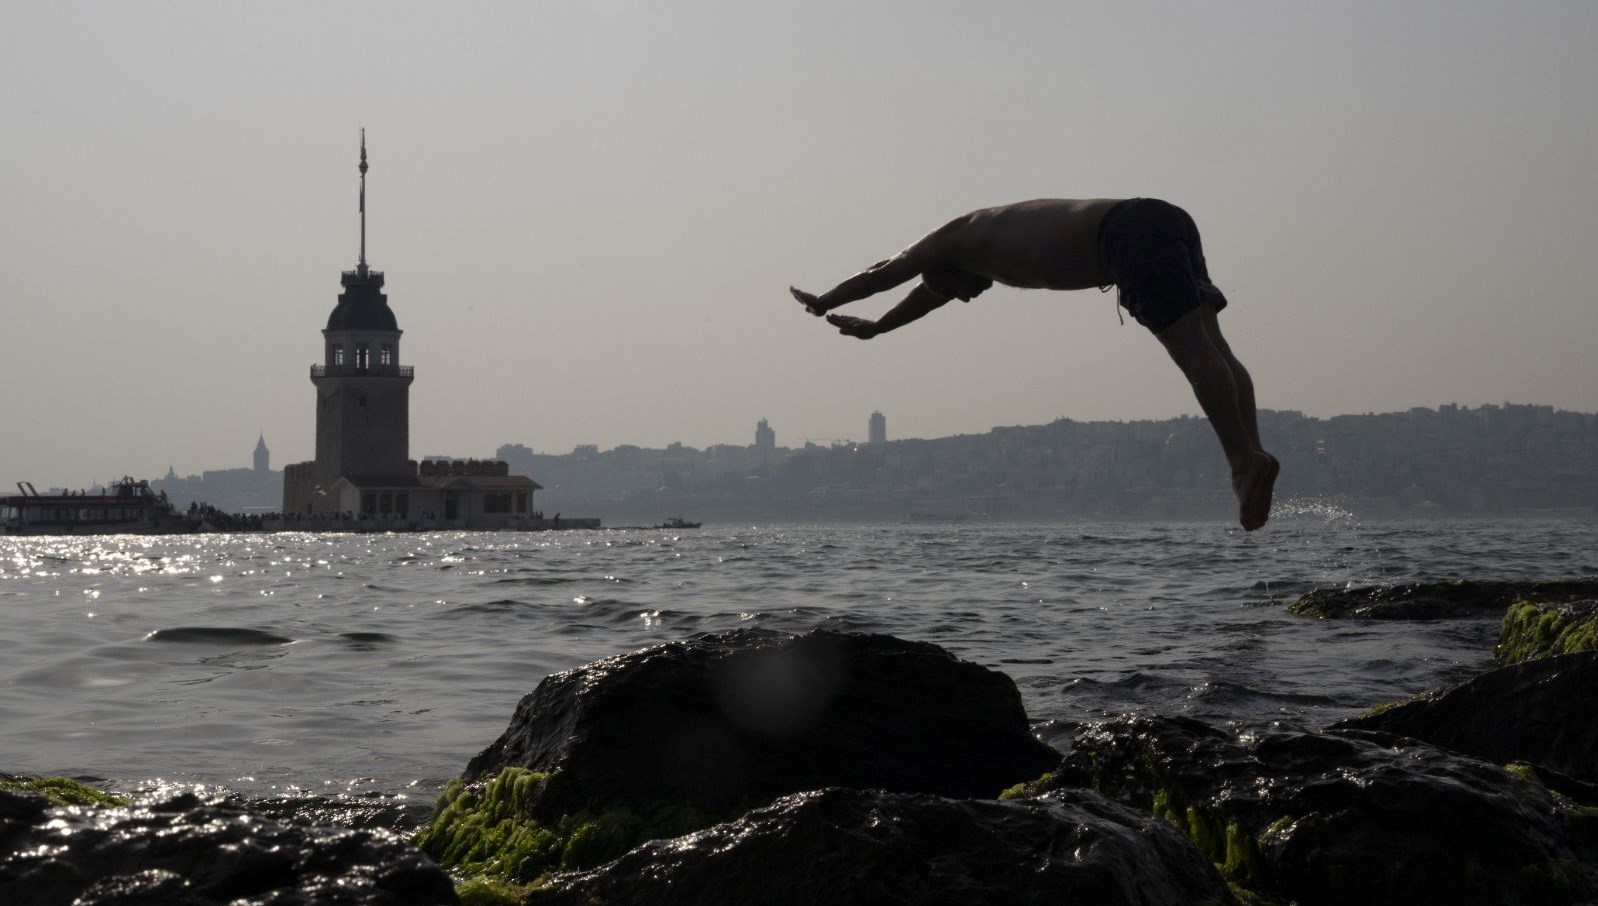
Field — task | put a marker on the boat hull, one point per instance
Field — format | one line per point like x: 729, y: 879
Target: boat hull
x: 172, y: 527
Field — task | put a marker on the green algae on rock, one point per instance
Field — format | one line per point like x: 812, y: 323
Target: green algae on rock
x: 494, y: 830
x: 1437, y: 600
x: 1223, y: 842
x: 60, y: 790
x: 1342, y: 817
x: 1533, y: 629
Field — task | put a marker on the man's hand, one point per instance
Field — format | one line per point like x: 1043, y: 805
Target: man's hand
x: 854, y: 327
x: 808, y: 300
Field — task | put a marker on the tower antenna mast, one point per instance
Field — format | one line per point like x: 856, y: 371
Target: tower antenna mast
x: 362, y: 261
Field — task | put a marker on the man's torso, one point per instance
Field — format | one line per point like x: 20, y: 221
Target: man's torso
x: 1047, y: 243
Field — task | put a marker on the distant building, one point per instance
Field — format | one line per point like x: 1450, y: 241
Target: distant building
x: 363, y: 467
x: 257, y: 489
x: 765, y: 443
x: 878, y: 431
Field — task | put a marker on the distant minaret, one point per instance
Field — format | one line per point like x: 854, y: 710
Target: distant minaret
x: 263, y: 458
x: 878, y: 428
x: 362, y: 391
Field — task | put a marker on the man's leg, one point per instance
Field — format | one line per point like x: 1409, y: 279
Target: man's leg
x: 1245, y: 384
x: 1226, y: 394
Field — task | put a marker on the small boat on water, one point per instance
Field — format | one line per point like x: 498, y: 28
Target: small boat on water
x: 128, y: 507
x: 677, y: 522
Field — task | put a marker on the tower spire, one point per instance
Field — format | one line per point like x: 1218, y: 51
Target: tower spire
x: 362, y: 262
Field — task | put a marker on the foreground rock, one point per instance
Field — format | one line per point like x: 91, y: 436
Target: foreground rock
x: 846, y: 847
x: 1437, y: 600
x: 739, y: 718
x: 187, y: 853
x: 1543, y: 711
x: 676, y: 738
x: 1533, y: 630
x: 1345, y: 817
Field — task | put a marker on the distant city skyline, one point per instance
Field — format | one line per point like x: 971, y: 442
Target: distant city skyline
x: 255, y: 458
x: 589, y: 214
x: 1451, y: 460
x: 767, y: 435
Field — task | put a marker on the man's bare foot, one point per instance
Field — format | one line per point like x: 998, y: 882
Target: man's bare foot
x: 811, y: 303
x: 1253, y: 489
x: 854, y: 327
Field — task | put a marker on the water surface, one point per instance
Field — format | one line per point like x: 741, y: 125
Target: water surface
x: 377, y: 665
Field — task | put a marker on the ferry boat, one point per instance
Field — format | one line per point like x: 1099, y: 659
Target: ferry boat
x: 127, y: 507
x: 677, y: 522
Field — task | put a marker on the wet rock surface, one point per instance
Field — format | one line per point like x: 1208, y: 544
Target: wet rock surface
x: 739, y: 718
x: 1437, y: 600
x: 1346, y: 817
x: 188, y: 853
x: 856, y: 847
x: 1543, y: 711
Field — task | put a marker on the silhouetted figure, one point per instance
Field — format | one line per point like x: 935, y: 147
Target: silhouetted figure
x: 1147, y: 248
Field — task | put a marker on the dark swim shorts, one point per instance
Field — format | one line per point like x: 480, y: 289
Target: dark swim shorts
x: 950, y: 282
x: 1151, y: 250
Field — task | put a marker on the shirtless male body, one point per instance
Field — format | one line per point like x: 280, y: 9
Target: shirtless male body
x: 1146, y: 247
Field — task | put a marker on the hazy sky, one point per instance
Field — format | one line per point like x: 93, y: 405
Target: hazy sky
x: 589, y: 213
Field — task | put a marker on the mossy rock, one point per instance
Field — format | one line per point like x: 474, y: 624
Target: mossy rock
x: 1448, y: 599
x: 60, y: 790
x: 1541, y: 711
x: 493, y: 832
x: 1533, y: 629
x: 854, y: 846
x: 1342, y: 817
x: 1235, y: 853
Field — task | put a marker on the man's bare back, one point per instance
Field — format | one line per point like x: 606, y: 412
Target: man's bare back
x: 1150, y: 248
x: 1047, y: 243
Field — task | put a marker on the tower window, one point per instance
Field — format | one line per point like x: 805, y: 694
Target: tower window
x: 386, y: 356
x: 363, y: 357
x: 338, y: 355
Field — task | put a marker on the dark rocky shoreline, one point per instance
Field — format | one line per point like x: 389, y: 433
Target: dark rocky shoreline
x: 843, y: 768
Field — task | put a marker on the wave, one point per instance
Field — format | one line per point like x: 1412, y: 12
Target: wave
x: 217, y: 634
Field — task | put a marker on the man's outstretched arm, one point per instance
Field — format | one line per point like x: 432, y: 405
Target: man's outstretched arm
x: 926, y: 253
x: 920, y: 302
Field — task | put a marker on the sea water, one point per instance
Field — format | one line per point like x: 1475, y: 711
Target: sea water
x: 375, y: 666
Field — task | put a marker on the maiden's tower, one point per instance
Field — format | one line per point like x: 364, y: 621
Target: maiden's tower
x: 363, y: 470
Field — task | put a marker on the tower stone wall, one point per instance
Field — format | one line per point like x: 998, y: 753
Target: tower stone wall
x: 362, y: 427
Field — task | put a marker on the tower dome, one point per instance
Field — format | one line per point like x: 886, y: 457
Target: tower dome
x: 362, y: 305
